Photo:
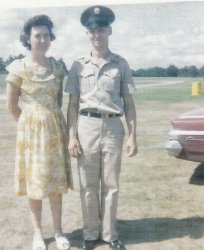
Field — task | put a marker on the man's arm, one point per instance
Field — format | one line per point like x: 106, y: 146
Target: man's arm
x: 72, y: 118
x: 130, y: 115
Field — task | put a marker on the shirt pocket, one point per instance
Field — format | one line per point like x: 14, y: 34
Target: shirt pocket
x: 111, y: 81
x: 86, y: 80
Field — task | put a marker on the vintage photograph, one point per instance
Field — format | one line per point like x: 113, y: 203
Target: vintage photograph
x: 102, y: 125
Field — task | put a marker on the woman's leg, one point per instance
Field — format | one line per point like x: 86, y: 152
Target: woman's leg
x: 56, y: 208
x: 36, y: 211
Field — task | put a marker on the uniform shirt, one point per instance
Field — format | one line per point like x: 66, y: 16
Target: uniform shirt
x: 101, y: 88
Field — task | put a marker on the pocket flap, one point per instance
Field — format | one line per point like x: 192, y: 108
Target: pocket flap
x: 113, y: 73
x: 87, y: 73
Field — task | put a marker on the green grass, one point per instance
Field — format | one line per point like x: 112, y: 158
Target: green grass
x: 168, y: 93
x: 158, y: 209
x: 163, y: 94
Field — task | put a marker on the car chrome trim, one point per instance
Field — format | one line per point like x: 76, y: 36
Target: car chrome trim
x: 185, y: 132
x: 191, y: 117
x: 190, y: 138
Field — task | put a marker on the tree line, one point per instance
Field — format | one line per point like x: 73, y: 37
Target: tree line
x: 170, y: 71
x: 11, y: 58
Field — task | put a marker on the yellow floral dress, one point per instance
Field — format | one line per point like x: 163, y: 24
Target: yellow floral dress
x: 42, y: 166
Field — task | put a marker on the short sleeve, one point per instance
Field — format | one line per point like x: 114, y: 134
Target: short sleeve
x: 61, y: 70
x: 72, y: 84
x: 15, y: 73
x: 128, y: 85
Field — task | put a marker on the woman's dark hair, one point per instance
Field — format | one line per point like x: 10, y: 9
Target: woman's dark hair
x: 39, y: 20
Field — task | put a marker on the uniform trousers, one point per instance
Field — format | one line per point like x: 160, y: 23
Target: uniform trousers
x: 99, y: 166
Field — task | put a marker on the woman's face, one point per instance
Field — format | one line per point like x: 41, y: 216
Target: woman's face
x: 39, y: 39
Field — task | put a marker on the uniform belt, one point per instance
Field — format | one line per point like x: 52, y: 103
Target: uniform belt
x: 98, y: 115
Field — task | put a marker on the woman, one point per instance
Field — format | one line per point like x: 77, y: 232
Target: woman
x: 42, y: 167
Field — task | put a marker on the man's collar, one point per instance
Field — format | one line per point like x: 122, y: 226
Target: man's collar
x: 109, y: 58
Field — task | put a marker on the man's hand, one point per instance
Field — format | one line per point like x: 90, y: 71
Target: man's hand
x: 130, y: 115
x: 74, y: 147
x: 131, y: 146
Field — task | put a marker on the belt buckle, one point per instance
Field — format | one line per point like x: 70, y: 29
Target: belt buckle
x: 105, y: 115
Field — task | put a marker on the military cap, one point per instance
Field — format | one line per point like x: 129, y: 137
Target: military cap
x: 97, y: 16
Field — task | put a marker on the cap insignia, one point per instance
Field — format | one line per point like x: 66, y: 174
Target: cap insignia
x: 97, y: 11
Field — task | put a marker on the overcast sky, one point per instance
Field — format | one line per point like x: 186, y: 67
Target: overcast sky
x: 146, y: 34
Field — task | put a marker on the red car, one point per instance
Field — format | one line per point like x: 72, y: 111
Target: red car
x: 186, y: 139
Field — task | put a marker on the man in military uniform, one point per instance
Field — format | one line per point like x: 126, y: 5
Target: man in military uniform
x: 100, y: 87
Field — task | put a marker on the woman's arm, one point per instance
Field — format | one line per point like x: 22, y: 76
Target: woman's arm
x: 13, y: 94
x: 60, y: 96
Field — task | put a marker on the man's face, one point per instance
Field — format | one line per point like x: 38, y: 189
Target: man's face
x: 99, y: 36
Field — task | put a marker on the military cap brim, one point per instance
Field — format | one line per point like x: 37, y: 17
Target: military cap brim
x: 97, y: 16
